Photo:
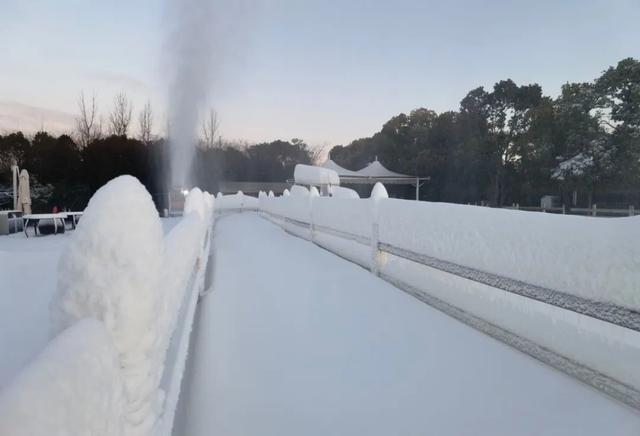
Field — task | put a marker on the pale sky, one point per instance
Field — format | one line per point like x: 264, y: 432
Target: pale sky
x: 326, y: 71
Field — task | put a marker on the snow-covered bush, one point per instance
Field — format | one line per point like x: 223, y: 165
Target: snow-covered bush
x: 110, y: 271
x: 74, y: 386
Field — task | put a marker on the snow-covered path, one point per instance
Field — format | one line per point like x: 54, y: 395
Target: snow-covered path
x: 294, y: 340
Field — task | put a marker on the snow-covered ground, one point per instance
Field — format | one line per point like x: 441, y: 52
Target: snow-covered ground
x: 295, y: 340
x: 28, y: 268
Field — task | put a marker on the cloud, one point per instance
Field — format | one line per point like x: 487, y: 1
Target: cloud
x: 29, y: 119
x: 118, y: 80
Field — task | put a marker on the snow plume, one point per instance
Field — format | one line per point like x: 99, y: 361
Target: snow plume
x: 190, y: 51
x: 206, y: 43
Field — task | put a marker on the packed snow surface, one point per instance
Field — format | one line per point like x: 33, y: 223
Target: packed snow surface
x: 328, y: 348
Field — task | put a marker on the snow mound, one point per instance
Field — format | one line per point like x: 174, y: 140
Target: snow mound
x: 379, y: 191
x: 110, y: 272
x: 195, y: 202
x: 313, y: 192
x: 340, y: 192
x: 312, y: 175
x: 73, y: 386
x: 299, y: 191
x: 286, y: 193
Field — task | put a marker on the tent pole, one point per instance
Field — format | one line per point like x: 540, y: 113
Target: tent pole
x: 417, y: 189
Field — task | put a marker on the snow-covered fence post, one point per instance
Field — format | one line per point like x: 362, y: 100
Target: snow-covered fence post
x: 377, y: 194
x: 375, y: 252
x: 313, y: 193
x: 111, y: 272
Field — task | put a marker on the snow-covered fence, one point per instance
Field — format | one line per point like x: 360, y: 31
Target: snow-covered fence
x: 74, y: 386
x: 564, y: 289
x: 139, y: 288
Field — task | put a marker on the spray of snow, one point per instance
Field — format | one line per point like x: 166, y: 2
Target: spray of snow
x: 190, y: 50
x: 206, y: 40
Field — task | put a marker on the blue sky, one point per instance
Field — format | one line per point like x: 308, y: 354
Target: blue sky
x: 326, y: 71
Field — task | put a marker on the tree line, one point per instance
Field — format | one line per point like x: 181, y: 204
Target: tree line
x: 512, y: 144
x: 66, y: 170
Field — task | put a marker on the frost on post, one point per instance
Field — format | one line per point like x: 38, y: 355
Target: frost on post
x: 110, y: 271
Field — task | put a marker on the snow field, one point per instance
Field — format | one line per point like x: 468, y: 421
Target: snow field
x: 328, y: 348
x: 593, y: 258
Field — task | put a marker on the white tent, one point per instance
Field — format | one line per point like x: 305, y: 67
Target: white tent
x: 342, y: 172
x: 373, y: 173
x: 376, y: 169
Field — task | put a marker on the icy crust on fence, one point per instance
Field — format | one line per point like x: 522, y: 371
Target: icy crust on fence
x: 312, y: 175
x: 183, y: 247
x: 73, y: 386
x: 111, y: 271
x: 347, y: 215
x: 595, y: 258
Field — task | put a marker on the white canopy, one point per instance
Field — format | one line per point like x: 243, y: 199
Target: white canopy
x: 376, y: 169
x: 342, y: 172
x: 373, y: 173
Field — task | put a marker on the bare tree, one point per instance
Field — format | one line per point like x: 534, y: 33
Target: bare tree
x: 145, y: 123
x: 210, y: 129
x: 88, y: 127
x: 319, y: 153
x: 120, y: 117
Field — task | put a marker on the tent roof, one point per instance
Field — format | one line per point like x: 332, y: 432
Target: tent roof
x: 342, y: 172
x: 376, y: 169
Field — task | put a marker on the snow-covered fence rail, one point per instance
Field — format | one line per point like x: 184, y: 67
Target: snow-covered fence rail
x: 121, y: 319
x: 564, y: 289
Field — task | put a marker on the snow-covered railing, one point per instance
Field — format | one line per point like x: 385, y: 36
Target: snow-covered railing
x: 126, y: 294
x: 563, y: 289
x: 74, y: 386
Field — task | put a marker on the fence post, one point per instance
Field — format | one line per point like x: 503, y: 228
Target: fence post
x: 594, y: 210
x: 374, y: 267
x: 632, y: 210
x: 564, y: 209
